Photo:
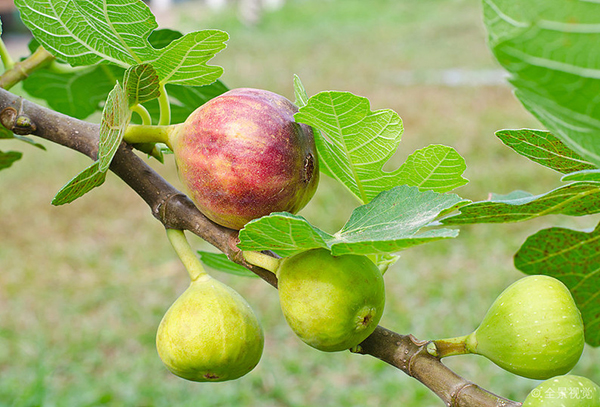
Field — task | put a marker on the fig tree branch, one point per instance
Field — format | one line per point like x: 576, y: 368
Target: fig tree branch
x: 174, y: 210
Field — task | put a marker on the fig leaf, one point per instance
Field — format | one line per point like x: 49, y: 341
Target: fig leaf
x: 575, y: 199
x: 355, y: 142
x: 220, y: 262
x: 141, y: 84
x: 572, y: 257
x: 540, y: 46
x: 391, y: 222
x: 544, y: 148
x: 82, y: 33
x: 115, y: 119
x: 80, y: 185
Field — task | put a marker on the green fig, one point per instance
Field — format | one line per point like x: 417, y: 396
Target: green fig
x: 331, y: 302
x: 564, y: 391
x: 533, y: 329
x: 210, y: 333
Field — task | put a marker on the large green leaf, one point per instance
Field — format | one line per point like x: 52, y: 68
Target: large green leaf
x: 550, y: 48
x: 355, y: 142
x: 393, y: 221
x: 86, y: 32
x: 545, y: 149
x: 576, y: 199
x: 574, y: 258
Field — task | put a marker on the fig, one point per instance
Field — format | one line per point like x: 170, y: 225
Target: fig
x: 331, y: 302
x: 533, y: 329
x: 242, y: 156
x: 210, y: 333
x: 564, y: 391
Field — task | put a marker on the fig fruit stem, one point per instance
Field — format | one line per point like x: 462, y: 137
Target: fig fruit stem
x: 262, y: 260
x: 449, y: 347
x: 143, y: 133
x: 186, y: 254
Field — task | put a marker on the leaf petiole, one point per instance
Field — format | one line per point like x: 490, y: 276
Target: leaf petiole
x: 7, y: 60
x: 164, y: 107
x: 187, y: 256
x: 143, y: 113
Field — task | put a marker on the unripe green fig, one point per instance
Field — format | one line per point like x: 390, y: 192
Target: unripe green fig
x: 564, y: 391
x: 331, y: 302
x: 242, y: 156
x: 533, y: 329
x: 210, y: 333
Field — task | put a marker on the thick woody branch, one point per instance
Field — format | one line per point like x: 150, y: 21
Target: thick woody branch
x: 175, y: 210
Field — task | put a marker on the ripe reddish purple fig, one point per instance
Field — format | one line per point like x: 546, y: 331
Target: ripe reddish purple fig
x: 242, y: 156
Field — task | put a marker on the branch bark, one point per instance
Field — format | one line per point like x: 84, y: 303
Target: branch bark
x: 174, y: 210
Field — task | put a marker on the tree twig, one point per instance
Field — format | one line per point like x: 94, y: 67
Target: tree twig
x: 175, y: 210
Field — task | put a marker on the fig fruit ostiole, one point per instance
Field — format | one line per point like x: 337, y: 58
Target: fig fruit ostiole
x: 533, y: 329
x: 241, y: 156
x: 564, y: 391
x: 332, y: 303
x: 210, y: 333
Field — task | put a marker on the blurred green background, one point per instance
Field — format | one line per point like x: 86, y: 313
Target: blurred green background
x: 84, y: 286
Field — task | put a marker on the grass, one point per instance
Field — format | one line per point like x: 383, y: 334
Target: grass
x: 84, y: 286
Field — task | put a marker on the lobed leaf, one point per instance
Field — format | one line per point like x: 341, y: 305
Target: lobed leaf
x: 573, y: 257
x: 81, y: 184
x: 83, y: 32
x: 576, y: 199
x: 545, y: 149
x: 220, y: 262
x: 550, y: 49
x: 391, y: 222
x: 184, y: 60
x: 354, y: 143
x: 8, y: 158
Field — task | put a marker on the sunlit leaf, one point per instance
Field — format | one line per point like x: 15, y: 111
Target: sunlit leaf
x: 184, y: 61
x: 395, y: 220
x: 354, y: 143
x: 83, y: 32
